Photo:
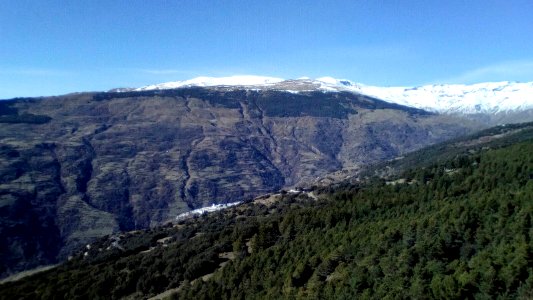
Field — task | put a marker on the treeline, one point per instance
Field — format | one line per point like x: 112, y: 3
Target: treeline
x: 495, y: 137
x: 459, y: 229
x: 10, y: 114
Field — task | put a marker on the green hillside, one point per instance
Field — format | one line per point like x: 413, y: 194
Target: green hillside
x: 459, y: 228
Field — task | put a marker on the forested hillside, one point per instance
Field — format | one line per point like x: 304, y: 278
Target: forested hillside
x: 455, y: 229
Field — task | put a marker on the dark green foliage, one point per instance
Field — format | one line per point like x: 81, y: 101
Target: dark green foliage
x: 285, y: 104
x: 6, y: 108
x: 9, y: 114
x: 25, y: 118
x: 459, y: 229
x: 432, y: 239
x: 229, y: 99
x: 494, y: 137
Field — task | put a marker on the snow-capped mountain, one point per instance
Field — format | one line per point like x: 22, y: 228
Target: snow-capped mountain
x: 487, y: 98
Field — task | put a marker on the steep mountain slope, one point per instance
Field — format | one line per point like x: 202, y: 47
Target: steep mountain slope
x: 80, y: 166
x: 459, y: 227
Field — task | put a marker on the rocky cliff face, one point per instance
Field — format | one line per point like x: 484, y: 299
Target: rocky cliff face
x: 81, y: 166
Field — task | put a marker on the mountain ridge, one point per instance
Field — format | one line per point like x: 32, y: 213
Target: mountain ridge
x: 480, y: 98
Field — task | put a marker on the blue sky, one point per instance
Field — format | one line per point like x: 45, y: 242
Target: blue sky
x: 54, y: 47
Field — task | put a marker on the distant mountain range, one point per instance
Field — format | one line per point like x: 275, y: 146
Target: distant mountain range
x: 481, y: 98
